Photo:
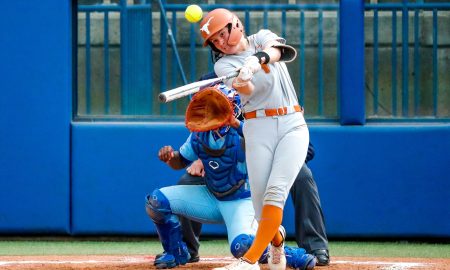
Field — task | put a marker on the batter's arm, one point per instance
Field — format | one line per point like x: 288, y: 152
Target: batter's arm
x: 271, y: 53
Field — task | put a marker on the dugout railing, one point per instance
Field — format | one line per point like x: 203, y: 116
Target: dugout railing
x: 415, y: 65
x: 404, y: 74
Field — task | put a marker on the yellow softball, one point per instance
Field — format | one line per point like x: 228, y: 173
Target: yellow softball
x: 193, y: 13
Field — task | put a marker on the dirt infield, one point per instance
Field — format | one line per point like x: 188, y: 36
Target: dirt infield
x: 146, y: 262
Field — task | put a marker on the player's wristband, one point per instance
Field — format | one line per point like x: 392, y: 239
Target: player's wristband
x: 263, y: 57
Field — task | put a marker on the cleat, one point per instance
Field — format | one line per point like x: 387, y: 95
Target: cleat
x: 194, y: 259
x: 240, y: 264
x: 165, y: 261
x: 297, y: 258
x: 322, y: 257
x: 179, y: 256
x: 277, y: 257
x: 158, y: 256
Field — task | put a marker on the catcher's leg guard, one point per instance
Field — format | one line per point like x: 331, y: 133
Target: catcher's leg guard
x: 242, y: 243
x: 169, y: 230
x: 298, y: 259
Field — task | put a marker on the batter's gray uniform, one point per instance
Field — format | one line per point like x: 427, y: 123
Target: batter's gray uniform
x: 276, y: 147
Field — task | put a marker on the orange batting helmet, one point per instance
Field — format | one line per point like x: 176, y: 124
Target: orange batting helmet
x: 218, y: 19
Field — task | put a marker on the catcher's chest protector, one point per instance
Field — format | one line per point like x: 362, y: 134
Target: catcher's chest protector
x: 223, y: 178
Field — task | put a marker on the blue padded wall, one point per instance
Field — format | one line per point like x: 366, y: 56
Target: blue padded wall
x: 35, y: 113
x: 114, y: 167
x: 384, y: 180
x: 373, y: 180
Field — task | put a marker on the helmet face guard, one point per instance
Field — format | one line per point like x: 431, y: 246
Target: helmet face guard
x: 216, y: 20
x: 234, y: 97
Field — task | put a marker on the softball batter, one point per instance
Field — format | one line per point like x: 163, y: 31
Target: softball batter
x: 276, y: 133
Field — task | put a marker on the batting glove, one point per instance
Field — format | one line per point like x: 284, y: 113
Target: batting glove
x: 245, y: 74
x: 252, y: 63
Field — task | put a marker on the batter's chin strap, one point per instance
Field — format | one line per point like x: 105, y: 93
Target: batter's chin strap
x: 288, y: 53
x: 215, y: 54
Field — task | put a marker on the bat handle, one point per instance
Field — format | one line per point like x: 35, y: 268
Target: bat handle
x: 231, y: 75
x: 266, y: 68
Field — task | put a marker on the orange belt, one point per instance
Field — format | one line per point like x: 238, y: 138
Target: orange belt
x: 271, y: 112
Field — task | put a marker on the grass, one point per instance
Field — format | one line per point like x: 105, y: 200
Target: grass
x: 209, y: 248
x: 390, y: 249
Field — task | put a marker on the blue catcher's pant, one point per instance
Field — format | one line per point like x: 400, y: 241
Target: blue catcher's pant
x: 198, y: 204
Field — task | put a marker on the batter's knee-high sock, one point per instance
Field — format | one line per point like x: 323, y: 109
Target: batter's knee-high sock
x: 277, y: 239
x: 271, y: 217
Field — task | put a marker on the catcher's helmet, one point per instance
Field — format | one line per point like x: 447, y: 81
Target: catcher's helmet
x: 233, y: 96
x: 218, y: 19
x: 235, y: 99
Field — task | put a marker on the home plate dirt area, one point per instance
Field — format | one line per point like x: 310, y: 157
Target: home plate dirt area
x: 146, y: 262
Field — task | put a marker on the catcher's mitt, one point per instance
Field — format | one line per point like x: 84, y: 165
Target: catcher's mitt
x: 209, y: 109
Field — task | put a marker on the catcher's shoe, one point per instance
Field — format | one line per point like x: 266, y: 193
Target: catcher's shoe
x: 240, y: 264
x: 193, y: 259
x: 165, y: 261
x: 171, y: 260
x: 158, y: 256
x: 277, y: 257
x: 298, y: 259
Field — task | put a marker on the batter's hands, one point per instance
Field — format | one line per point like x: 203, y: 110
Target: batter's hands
x: 166, y: 153
x: 245, y: 75
x: 250, y: 67
x: 252, y: 63
x: 196, y: 168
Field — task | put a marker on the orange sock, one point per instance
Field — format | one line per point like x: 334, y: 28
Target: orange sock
x: 271, y: 218
x: 277, y: 239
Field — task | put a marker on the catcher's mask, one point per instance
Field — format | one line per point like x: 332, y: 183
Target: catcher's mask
x: 218, y: 19
x: 235, y: 99
x: 233, y: 96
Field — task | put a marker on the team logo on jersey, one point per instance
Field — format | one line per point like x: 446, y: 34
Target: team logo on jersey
x: 213, y: 164
x: 205, y: 26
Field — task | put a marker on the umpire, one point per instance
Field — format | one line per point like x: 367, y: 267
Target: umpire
x: 310, y: 231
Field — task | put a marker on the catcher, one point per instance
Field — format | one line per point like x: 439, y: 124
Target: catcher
x: 216, y: 140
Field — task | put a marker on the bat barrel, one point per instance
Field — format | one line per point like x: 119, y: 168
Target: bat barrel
x: 162, y: 98
x: 191, y: 88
